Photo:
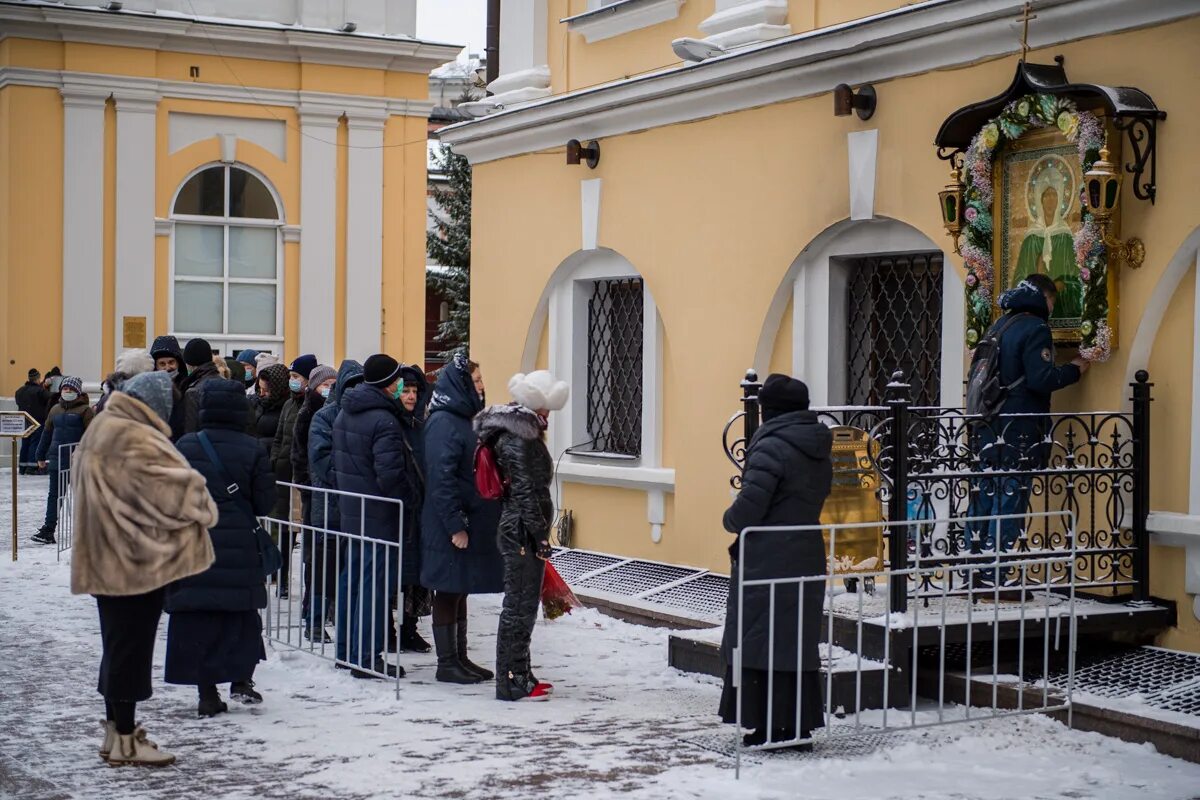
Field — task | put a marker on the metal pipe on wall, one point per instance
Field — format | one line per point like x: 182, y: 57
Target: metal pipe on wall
x: 492, y: 50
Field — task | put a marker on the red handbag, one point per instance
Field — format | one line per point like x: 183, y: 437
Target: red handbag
x: 488, y: 481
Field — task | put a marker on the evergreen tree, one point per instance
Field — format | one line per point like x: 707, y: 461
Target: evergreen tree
x: 449, y: 245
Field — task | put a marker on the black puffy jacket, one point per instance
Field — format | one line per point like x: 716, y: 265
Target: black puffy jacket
x: 788, y: 475
x: 527, y: 510
x: 370, y: 457
x: 235, y: 580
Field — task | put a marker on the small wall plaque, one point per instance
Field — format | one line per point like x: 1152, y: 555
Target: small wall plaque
x: 133, y: 332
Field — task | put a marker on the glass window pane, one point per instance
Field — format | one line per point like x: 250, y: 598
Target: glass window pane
x: 197, y: 307
x: 252, y: 252
x: 252, y: 309
x: 249, y: 197
x: 198, y: 250
x: 204, y: 193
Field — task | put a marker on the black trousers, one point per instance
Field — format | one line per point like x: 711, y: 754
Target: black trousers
x: 522, y: 591
x: 128, y: 628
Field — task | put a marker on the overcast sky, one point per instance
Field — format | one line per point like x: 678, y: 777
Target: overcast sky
x: 459, y: 21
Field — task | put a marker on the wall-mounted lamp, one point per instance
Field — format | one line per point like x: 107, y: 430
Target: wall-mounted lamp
x: 349, y: 27
x: 846, y: 100
x: 576, y: 153
x: 696, y: 50
x: 1101, y: 196
x: 951, y: 201
x: 113, y: 5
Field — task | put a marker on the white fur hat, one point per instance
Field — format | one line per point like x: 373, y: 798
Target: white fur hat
x: 264, y: 360
x: 134, y: 362
x: 539, y: 391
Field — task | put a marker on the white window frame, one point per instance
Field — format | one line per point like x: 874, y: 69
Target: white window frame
x: 608, y: 18
x: 568, y: 319
x: 226, y: 341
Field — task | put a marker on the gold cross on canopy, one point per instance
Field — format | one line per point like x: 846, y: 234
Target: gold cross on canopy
x: 1025, y: 17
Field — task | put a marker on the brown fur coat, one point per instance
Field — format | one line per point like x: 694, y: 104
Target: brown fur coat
x: 141, y: 513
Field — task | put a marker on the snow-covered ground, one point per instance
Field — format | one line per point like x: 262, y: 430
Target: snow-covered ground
x: 621, y: 725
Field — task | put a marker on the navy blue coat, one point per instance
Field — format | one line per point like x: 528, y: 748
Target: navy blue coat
x: 235, y: 580
x: 320, y: 447
x: 371, y: 457
x: 65, y: 424
x: 1026, y: 349
x: 451, y: 502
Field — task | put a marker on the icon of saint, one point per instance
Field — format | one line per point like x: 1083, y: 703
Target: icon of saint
x: 1049, y: 244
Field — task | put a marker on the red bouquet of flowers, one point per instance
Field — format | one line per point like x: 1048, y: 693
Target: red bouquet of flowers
x: 557, y: 597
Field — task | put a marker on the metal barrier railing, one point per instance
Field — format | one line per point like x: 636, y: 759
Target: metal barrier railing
x: 350, y: 581
x: 950, y: 610
x: 65, y: 535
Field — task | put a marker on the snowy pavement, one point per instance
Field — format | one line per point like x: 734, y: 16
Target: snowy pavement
x: 621, y: 725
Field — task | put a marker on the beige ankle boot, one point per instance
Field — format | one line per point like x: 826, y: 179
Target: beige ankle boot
x: 110, y: 737
x: 136, y: 749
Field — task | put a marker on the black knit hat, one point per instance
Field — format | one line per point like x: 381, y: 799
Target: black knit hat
x: 166, y: 346
x: 197, y: 352
x: 782, y: 394
x: 381, y: 370
x: 303, y: 365
x: 34, y: 374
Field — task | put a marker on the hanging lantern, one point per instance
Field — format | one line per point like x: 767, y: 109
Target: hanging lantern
x: 951, y: 201
x: 1102, y: 188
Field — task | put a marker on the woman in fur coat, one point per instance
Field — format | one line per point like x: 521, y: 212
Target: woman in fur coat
x: 141, y: 519
x: 515, y: 433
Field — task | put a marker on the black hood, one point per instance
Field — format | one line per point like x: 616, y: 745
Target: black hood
x: 1025, y: 298
x: 350, y: 374
x: 455, y: 390
x: 800, y: 429
x: 363, y: 398
x: 223, y: 405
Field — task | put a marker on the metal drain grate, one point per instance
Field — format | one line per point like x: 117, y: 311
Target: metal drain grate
x: 1145, y: 671
x: 705, y: 595
x: 635, y: 577
x: 572, y: 564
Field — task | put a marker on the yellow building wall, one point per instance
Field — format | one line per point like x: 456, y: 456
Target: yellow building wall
x: 714, y: 263
x: 404, y: 205
x: 31, y: 228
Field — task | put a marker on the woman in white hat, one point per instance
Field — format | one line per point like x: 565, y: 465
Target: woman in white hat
x: 516, y: 434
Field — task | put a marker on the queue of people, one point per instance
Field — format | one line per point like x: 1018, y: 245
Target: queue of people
x: 205, y: 447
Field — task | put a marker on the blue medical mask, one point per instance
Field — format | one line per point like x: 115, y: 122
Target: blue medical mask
x: 294, y: 384
x: 324, y: 391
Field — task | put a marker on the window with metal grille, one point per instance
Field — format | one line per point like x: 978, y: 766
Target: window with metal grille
x: 894, y: 321
x: 614, y: 366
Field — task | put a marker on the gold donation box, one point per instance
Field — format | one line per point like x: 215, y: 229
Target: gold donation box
x: 854, y: 498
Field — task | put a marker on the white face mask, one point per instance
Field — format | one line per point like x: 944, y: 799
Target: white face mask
x: 69, y: 396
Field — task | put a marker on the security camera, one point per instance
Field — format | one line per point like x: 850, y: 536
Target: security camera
x: 696, y: 49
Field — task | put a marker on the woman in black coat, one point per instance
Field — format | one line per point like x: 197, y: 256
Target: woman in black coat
x: 459, y: 555
x: 787, y: 477
x: 215, y: 634
x: 516, y: 434
x: 273, y: 395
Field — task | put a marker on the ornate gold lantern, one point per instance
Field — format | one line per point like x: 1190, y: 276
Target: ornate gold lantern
x: 951, y: 201
x: 1101, y: 196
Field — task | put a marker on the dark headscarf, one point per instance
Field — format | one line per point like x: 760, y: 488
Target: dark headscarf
x: 276, y: 378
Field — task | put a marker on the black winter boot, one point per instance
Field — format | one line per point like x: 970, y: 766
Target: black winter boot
x: 449, y: 668
x: 380, y: 666
x: 210, y: 702
x: 44, y: 535
x: 410, y: 640
x: 243, y: 692
x: 468, y: 664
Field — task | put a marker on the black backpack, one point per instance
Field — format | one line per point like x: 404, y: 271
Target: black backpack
x: 985, y: 391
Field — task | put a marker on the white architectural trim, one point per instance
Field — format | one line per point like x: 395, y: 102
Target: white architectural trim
x: 621, y: 17
x: 1180, y: 530
x: 520, y: 87
x: 205, y: 35
x: 736, y: 23
x: 137, y: 114
x: 186, y: 128
x: 589, y: 202
x: 912, y: 40
x: 330, y: 102
x: 816, y: 285
x: 364, y: 238
x: 1194, y: 482
x: 954, y: 321
x: 318, y: 209
x: 163, y: 227
x: 291, y: 233
x: 862, y: 148
x: 83, y: 233
x: 523, y: 70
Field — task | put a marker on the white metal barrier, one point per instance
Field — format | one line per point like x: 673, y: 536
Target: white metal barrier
x: 65, y: 535
x: 347, y: 581
x: 1033, y: 604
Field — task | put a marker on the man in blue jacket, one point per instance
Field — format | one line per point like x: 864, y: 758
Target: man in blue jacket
x: 370, y: 458
x: 1017, y: 443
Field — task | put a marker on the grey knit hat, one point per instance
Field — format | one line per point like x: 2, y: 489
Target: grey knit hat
x: 153, y: 389
x: 320, y: 374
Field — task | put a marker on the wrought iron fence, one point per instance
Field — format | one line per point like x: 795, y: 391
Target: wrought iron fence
x: 780, y: 636
x: 942, y: 463
x: 614, y: 366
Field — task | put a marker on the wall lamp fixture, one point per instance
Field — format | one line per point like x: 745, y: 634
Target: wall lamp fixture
x: 577, y: 153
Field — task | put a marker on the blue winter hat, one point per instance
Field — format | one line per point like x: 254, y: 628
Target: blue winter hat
x: 153, y: 389
x: 304, y: 365
x: 247, y: 356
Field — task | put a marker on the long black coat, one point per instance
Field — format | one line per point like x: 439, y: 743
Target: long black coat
x: 788, y: 475
x: 452, y: 503
x: 527, y: 510
x: 325, y: 511
x: 370, y: 457
x: 34, y: 400
x: 235, y: 580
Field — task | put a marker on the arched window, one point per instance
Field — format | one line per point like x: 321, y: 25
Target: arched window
x: 226, y: 262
